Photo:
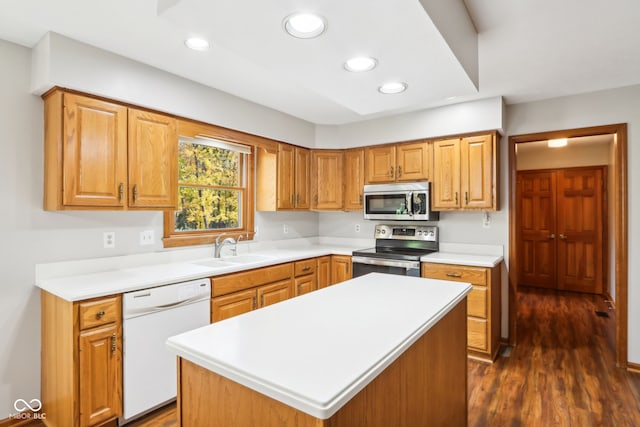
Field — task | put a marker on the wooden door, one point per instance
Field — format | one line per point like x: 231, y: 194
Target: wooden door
x: 94, y: 152
x: 286, y: 177
x: 274, y: 292
x: 446, y: 174
x: 302, y: 178
x: 100, y: 380
x: 305, y: 284
x: 323, y: 271
x: 354, y: 180
x: 340, y: 268
x: 233, y: 304
x: 327, y: 185
x: 380, y: 164
x: 476, y: 172
x: 413, y: 161
x: 153, y: 160
x: 536, y: 233
x: 580, y: 222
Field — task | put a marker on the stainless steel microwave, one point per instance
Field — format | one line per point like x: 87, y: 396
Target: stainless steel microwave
x: 409, y: 201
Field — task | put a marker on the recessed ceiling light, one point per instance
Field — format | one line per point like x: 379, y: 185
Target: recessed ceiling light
x: 450, y: 98
x: 555, y: 143
x: 392, y: 87
x: 360, y: 63
x: 304, y: 25
x: 197, y: 43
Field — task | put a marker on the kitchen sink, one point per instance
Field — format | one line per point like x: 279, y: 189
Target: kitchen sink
x: 247, y: 258
x: 216, y: 263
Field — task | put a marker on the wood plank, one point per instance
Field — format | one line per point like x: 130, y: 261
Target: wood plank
x: 234, y: 282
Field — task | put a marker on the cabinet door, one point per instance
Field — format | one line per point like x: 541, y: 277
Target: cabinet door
x: 446, y: 174
x: 326, y: 182
x: 324, y: 271
x: 286, y: 177
x: 233, y: 304
x: 413, y: 161
x: 476, y: 172
x: 353, y: 179
x: 100, y: 377
x: 340, y: 268
x: 94, y: 152
x: 302, y: 178
x: 380, y: 164
x: 153, y: 160
x: 305, y: 284
x: 273, y: 293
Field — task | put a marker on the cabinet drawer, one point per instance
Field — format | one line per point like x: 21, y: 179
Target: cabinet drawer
x: 99, y: 312
x: 250, y: 279
x: 477, y: 302
x: 457, y: 273
x: 306, y: 266
x: 477, y: 334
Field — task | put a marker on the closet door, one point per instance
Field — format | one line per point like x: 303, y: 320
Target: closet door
x: 580, y: 229
x: 537, y: 229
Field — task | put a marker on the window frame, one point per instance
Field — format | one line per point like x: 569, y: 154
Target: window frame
x: 174, y: 238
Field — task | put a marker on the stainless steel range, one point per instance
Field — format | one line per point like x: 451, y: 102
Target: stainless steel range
x: 398, y: 250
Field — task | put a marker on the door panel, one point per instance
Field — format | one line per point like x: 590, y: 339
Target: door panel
x: 536, y: 230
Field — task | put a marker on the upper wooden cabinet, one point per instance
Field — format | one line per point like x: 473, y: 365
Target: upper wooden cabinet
x: 101, y: 155
x: 354, y: 179
x: 465, y: 173
x: 398, y: 163
x: 327, y: 169
x: 293, y: 177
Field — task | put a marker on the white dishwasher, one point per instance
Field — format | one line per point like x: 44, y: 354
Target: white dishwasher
x: 150, y: 316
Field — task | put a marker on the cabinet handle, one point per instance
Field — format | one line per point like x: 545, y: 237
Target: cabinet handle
x: 293, y: 199
x: 458, y: 275
x: 299, y: 287
x: 135, y: 192
x: 113, y: 344
x: 552, y: 236
x: 100, y: 314
x: 121, y: 191
x: 456, y: 197
x: 562, y: 237
x: 307, y: 268
x: 255, y: 302
x: 262, y: 300
x: 466, y: 198
x: 391, y: 172
x: 360, y: 198
x: 399, y: 171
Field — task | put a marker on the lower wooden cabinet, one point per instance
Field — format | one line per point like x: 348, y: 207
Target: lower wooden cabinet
x: 323, y: 270
x: 340, y: 268
x: 483, y: 304
x: 81, y: 360
x: 305, y: 276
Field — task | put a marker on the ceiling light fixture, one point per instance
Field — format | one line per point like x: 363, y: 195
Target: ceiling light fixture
x: 304, y: 25
x: 197, y: 43
x: 555, y: 143
x: 360, y: 63
x: 392, y: 87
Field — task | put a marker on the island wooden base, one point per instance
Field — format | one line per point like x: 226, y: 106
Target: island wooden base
x: 425, y: 386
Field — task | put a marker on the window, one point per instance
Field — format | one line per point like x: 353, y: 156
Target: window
x: 213, y: 192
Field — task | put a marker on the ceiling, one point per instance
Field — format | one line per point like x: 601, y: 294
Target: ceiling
x: 527, y: 50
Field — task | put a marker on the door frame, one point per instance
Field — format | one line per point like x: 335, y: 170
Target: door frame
x: 620, y: 196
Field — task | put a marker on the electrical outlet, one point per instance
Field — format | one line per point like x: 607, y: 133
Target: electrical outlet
x: 109, y: 239
x: 255, y: 232
x: 285, y: 229
x: 357, y: 228
x: 486, y: 220
x: 147, y: 237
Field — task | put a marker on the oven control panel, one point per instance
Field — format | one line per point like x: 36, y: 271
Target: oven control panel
x: 427, y: 233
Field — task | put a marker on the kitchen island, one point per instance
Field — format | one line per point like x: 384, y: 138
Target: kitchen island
x: 378, y: 350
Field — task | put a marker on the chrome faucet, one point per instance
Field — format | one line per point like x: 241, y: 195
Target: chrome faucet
x: 218, y: 245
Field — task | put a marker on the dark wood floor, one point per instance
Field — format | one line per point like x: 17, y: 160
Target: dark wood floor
x: 562, y: 373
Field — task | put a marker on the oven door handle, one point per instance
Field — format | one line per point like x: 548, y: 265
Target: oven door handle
x: 385, y: 262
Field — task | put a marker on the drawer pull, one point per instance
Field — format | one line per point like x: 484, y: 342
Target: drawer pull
x: 113, y: 344
x: 458, y: 275
x: 100, y: 314
x: 307, y: 268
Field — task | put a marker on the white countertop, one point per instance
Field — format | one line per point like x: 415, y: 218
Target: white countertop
x: 463, y: 259
x: 315, y: 352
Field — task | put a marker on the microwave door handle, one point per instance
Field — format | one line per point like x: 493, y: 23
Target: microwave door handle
x: 410, y: 203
